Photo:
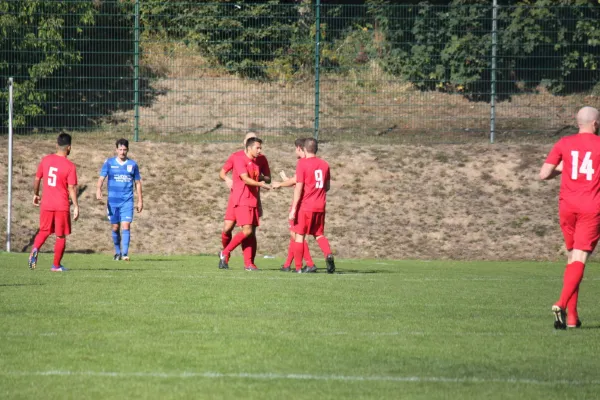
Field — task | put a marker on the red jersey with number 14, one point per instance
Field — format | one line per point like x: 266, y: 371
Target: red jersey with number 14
x: 56, y: 173
x: 313, y: 172
x: 580, y: 178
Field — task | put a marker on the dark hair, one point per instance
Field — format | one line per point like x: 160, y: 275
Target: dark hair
x: 122, y: 142
x: 299, y: 142
x: 311, y: 146
x: 64, y: 139
x: 252, y: 140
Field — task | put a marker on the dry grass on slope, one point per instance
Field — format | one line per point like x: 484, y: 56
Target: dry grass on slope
x: 386, y: 201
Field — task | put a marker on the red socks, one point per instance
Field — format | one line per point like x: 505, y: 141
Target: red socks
x: 290, y: 256
x: 324, y: 245
x: 247, y: 250
x: 572, y: 278
x: 40, y: 239
x: 235, y: 242
x: 572, y: 315
x: 298, y: 254
x: 59, y: 250
x: 307, y: 257
x: 225, y: 238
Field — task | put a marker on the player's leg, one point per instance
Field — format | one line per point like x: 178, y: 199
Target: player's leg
x: 567, y: 225
x: 310, y: 264
x: 290, y: 255
x: 125, y: 240
x: 62, y: 225
x: 246, y: 219
x: 249, y: 246
x: 228, y: 223
x: 46, y: 229
x: 226, y: 235
x: 126, y: 217
x: 317, y: 229
x: 301, y: 228
x: 115, y: 223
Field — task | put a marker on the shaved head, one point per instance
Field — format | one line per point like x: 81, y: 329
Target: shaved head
x: 588, y: 119
x: 248, y: 136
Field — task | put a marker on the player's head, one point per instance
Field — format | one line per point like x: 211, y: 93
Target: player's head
x: 248, y: 136
x: 588, y: 120
x: 311, y: 146
x: 63, y: 142
x: 122, y: 148
x: 299, y: 143
x: 253, y: 147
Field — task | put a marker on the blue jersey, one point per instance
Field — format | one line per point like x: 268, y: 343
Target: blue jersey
x: 121, y: 180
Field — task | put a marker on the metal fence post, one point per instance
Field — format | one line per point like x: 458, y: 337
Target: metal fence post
x: 136, y: 72
x: 10, y: 163
x: 317, y: 65
x: 493, y: 71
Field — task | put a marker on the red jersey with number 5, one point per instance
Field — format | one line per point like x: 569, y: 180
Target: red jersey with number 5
x: 56, y: 173
x: 314, y: 173
x: 580, y: 178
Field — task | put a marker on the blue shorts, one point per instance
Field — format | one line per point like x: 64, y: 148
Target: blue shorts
x: 122, y: 213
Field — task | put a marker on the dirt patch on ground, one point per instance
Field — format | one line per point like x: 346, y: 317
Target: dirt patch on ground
x: 472, y: 201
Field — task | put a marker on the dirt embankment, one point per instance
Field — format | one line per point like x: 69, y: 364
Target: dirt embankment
x: 470, y: 201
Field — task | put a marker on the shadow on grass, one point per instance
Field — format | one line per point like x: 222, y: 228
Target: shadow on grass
x: 20, y: 284
x: 115, y: 269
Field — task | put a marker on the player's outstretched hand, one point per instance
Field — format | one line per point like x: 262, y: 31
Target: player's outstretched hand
x: 266, y: 186
x: 36, y: 200
x: 75, y: 213
x: 276, y: 185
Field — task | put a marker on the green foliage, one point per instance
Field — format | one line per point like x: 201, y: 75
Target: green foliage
x: 38, y: 36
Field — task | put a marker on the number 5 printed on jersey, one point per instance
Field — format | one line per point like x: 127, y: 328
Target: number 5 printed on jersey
x: 52, y: 176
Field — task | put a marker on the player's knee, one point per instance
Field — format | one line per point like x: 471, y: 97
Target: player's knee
x: 247, y: 231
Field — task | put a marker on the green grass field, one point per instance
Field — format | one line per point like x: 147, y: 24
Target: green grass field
x: 177, y: 327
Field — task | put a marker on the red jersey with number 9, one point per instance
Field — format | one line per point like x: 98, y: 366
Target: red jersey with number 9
x: 580, y: 178
x: 56, y: 173
x: 313, y: 172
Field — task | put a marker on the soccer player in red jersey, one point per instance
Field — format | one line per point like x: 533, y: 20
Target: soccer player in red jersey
x: 288, y: 182
x: 577, y: 159
x: 265, y: 175
x: 308, y: 207
x: 60, y: 180
x: 245, y: 203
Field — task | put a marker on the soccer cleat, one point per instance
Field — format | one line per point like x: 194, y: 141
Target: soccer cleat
x: 559, y: 317
x: 116, y: 257
x: 33, y: 259
x: 330, y: 264
x: 310, y: 270
x: 125, y: 257
x: 59, y: 269
x: 223, y: 261
x: 300, y: 271
x: 285, y: 269
x: 251, y: 268
x: 577, y: 324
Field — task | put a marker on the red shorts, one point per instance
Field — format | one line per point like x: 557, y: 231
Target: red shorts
x: 230, y: 211
x: 310, y: 223
x: 580, y: 230
x: 57, y: 222
x: 245, y: 215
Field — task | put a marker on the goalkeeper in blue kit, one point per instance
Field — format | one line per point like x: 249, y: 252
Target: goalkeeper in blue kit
x: 123, y: 176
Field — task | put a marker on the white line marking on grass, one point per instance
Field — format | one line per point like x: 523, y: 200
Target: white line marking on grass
x: 275, y: 376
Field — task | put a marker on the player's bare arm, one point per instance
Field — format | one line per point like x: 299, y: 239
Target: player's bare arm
x: 99, y: 187
x: 36, y: 192
x: 73, y: 195
x: 228, y: 181
x: 297, y: 196
x: 251, y: 182
x: 288, y: 182
x: 327, y: 186
x: 549, y: 171
x: 138, y: 190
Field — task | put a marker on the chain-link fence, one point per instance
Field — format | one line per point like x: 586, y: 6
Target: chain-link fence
x: 194, y: 71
